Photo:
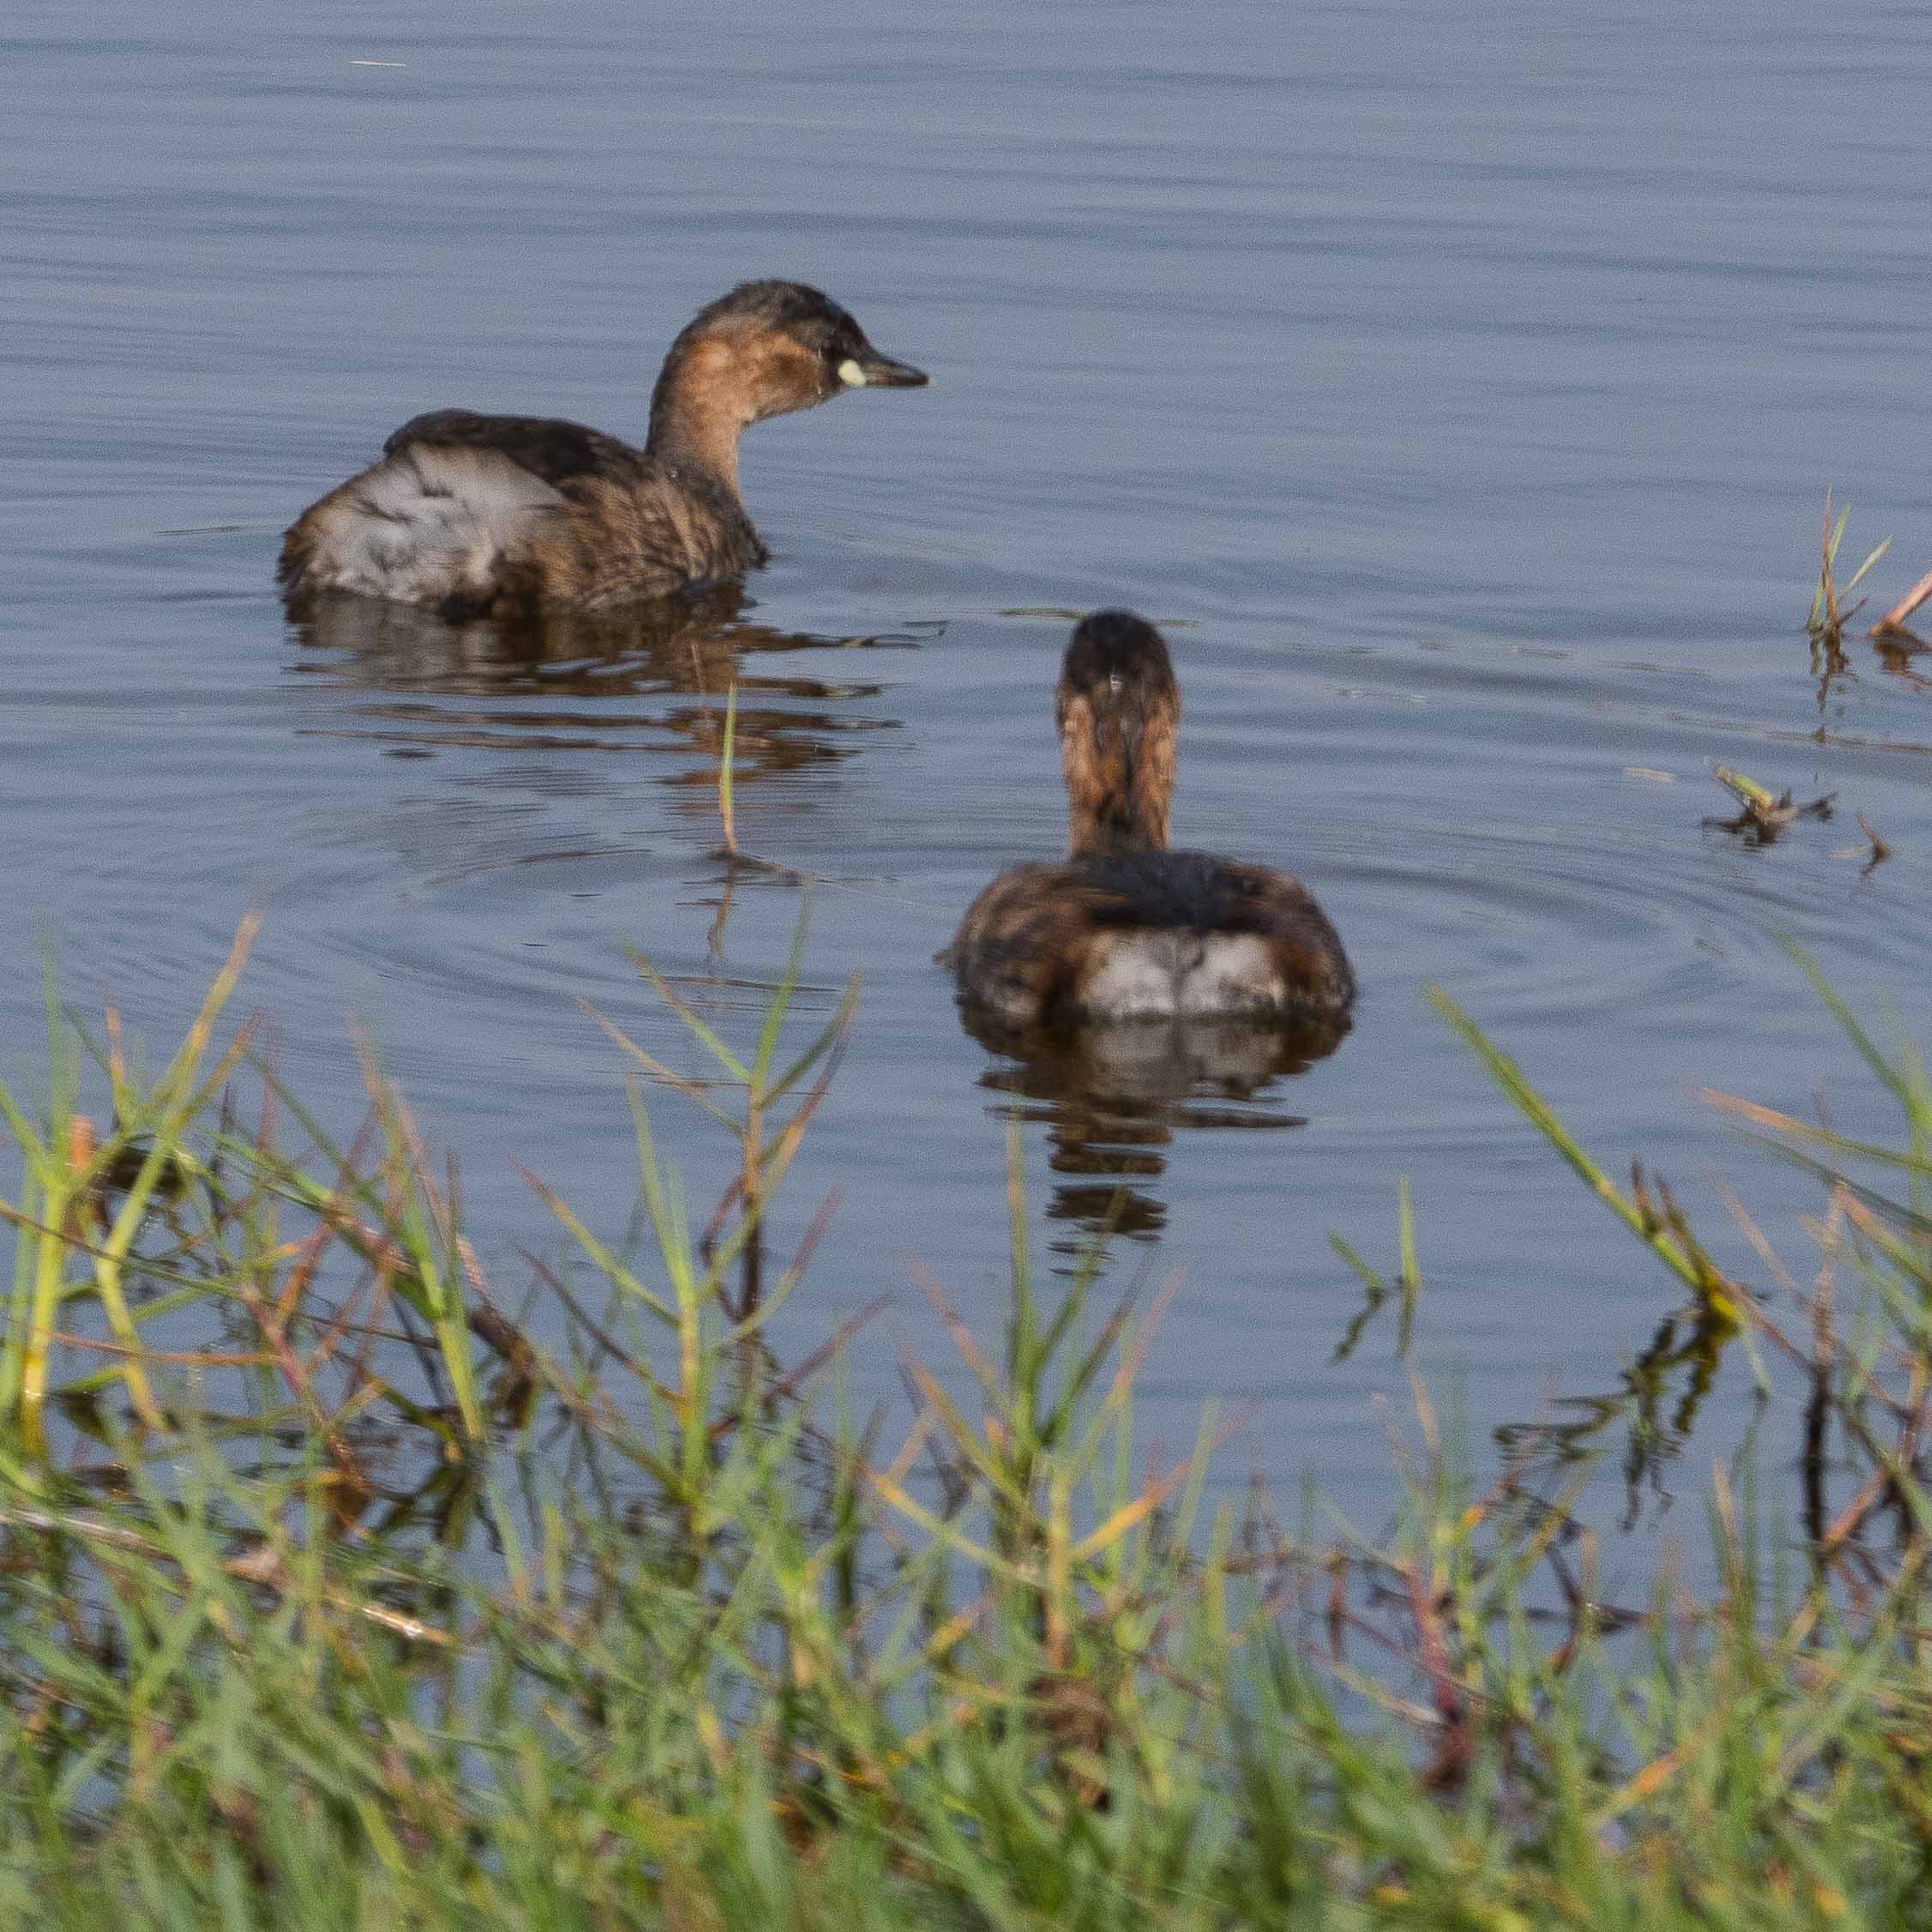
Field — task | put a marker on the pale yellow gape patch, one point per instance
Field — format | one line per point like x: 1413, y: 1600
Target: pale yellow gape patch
x: 851, y: 374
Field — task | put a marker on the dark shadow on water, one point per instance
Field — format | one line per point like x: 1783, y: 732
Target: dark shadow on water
x: 1112, y: 1098
x: 588, y: 680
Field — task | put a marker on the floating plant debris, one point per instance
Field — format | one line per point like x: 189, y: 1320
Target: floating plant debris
x: 1765, y: 814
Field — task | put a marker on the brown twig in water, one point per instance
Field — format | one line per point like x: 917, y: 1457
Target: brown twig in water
x: 1894, y: 618
x: 725, y: 751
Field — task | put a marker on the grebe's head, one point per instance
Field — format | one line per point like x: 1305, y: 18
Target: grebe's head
x: 766, y: 349
x: 1117, y: 707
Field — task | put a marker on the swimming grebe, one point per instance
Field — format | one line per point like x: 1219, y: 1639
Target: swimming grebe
x: 487, y: 515
x: 1126, y: 929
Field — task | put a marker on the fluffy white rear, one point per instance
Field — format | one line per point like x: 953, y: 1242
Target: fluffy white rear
x: 1160, y: 973
x: 425, y: 524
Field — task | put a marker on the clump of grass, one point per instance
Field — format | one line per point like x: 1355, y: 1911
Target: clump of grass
x: 1896, y: 641
x: 1830, y: 614
x: 336, y: 1597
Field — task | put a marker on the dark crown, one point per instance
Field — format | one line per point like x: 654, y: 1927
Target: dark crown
x: 792, y: 307
x: 1119, y: 652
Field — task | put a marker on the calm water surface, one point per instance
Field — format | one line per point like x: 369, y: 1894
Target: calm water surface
x: 1460, y: 385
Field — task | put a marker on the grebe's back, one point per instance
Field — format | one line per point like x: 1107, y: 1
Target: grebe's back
x: 474, y: 514
x: 1123, y: 929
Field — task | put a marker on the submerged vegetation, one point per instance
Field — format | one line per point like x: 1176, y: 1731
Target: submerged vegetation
x: 335, y: 1591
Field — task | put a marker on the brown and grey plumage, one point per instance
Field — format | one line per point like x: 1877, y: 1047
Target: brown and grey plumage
x: 474, y: 514
x: 1125, y: 928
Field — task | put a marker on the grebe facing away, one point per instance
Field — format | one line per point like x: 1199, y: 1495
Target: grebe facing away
x: 1126, y: 929
x: 475, y: 515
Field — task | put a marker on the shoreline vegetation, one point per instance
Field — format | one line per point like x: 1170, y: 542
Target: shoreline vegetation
x: 329, y: 1596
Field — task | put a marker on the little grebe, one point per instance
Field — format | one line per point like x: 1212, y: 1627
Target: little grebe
x: 1125, y: 929
x: 477, y: 516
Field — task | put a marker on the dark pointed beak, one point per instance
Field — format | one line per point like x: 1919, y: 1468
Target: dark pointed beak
x: 882, y: 372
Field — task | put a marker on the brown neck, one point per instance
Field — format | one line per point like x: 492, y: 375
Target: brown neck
x: 696, y: 416
x: 1118, y: 791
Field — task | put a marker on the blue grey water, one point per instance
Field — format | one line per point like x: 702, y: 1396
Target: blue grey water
x: 1460, y: 384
